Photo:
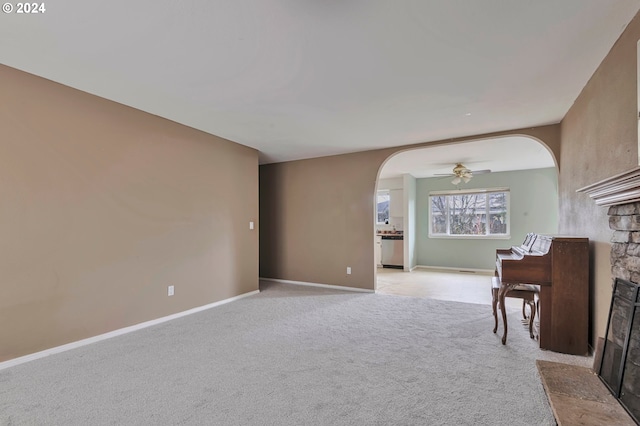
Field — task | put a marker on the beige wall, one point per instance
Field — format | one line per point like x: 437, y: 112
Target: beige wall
x: 317, y: 215
x: 599, y: 139
x: 103, y: 206
x: 317, y: 219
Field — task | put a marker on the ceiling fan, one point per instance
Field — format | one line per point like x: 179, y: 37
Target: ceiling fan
x: 462, y: 174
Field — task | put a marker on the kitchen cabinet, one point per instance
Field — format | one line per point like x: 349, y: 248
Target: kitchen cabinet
x: 378, y: 250
x: 396, y: 203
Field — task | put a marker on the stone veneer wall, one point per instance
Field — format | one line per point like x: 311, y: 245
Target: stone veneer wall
x: 624, y: 220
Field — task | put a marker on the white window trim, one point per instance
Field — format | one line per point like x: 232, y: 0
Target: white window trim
x: 506, y: 236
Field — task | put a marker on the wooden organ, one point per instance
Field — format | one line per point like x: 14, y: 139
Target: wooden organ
x: 560, y: 266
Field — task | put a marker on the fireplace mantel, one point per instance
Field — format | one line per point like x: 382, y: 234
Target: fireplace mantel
x: 619, y: 189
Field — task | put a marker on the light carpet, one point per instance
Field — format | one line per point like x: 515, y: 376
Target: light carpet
x: 294, y: 355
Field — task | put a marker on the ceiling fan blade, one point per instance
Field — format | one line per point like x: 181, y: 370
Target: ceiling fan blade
x: 479, y: 172
x: 443, y: 174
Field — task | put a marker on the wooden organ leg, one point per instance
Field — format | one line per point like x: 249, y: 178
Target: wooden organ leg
x: 532, y: 307
x: 495, y: 287
x: 503, y: 290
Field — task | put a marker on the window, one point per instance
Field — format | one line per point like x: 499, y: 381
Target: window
x: 474, y: 213
x: 382, y: 208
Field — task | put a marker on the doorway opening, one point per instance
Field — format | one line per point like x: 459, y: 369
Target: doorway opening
x: 458, y: 264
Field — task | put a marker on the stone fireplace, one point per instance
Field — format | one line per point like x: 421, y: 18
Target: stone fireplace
x: 621, y: 193
x: 624, y: 220
x: 619, y: 366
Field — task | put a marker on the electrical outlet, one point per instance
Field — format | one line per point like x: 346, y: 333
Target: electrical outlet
x: 170, y: 291
x: 348, y: 270
x: 250, y: 225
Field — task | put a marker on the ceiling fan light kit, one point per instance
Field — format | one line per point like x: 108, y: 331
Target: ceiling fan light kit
x: 456, y: 180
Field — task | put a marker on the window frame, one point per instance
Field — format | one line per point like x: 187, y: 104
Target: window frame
x: 386, y: 192
x: 486, y: 236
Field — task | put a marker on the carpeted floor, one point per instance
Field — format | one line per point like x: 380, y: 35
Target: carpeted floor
x: 294, y: 355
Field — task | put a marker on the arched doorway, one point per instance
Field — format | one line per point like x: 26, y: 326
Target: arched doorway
x: 523, y: 165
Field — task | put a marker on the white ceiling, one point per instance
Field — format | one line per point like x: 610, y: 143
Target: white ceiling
x: 306, y: 78
x: 495, y: 154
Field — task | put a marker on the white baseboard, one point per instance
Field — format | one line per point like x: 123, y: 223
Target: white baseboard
x: 119, y: 332
x: 332, y: 287
x: 448, y: 268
